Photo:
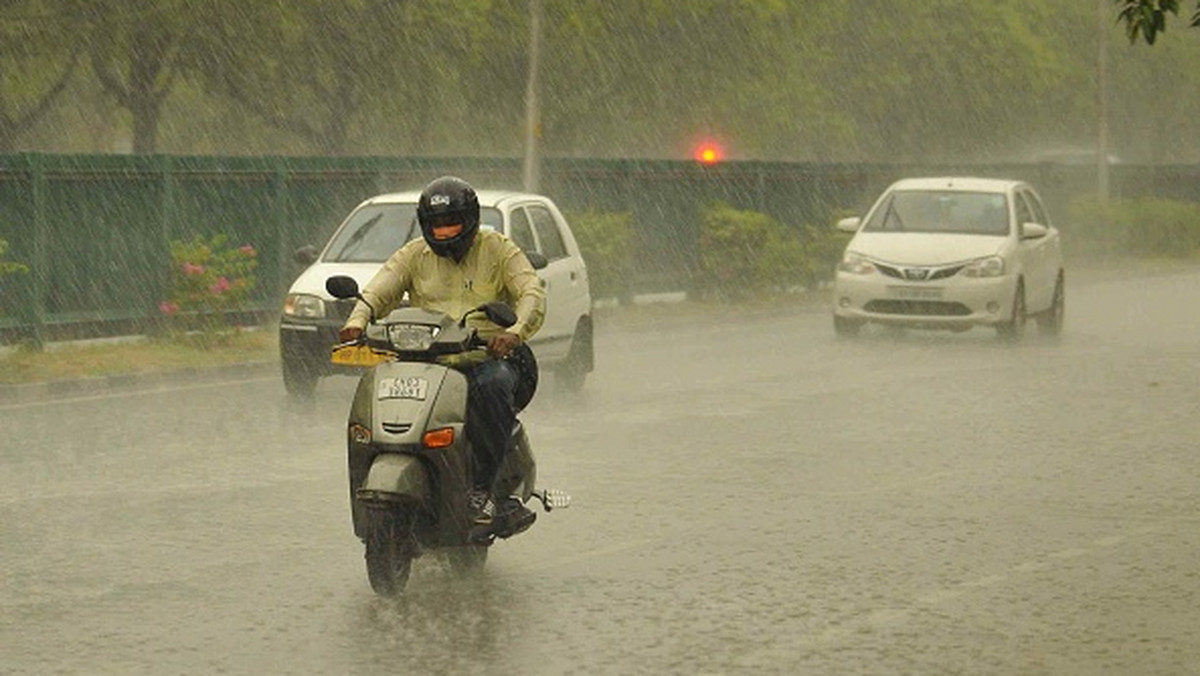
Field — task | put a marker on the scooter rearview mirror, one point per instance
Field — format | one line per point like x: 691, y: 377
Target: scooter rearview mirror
x: 500, y: 313
x: 344, y: 287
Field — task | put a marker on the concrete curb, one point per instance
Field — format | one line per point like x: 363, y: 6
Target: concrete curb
x: 131, y: 382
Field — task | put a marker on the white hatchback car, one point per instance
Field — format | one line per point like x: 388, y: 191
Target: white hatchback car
x: 952, y: 253
x: 376, y: 228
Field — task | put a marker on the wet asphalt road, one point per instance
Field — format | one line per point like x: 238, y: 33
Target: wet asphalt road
x: 751, y: 496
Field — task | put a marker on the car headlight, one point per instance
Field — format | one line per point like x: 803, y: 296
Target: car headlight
x: 412, y: 337
x: 303, y: 305
x: 856, y: 264
x: 992, y: 266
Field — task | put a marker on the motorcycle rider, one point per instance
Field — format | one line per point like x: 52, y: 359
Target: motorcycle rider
x: 453, y: 268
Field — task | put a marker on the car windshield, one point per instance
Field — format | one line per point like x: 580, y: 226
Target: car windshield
x: 944, y: 211
x: 374, y: 232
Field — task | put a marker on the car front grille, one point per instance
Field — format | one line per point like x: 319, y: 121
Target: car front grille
x: 395, y: 428
x: 918, y: 274
x: 921, y: 308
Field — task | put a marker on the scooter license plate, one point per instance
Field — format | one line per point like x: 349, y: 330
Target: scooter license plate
x: 403, y: 388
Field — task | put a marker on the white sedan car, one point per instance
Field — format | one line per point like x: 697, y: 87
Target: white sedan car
x: 952, y: 253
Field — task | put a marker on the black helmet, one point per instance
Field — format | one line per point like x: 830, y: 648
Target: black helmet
x: 449, y: 201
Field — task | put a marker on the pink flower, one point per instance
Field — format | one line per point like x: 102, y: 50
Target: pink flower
x: 193, y: 269
x: 248, y: 250
x: 220, y: 287
x: 168, y: 308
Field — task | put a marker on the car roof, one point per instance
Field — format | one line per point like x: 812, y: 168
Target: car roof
x: 487, y: 197
x: 964, y: 183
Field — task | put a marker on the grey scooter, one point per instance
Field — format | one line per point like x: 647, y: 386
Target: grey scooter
x: 409, y: 460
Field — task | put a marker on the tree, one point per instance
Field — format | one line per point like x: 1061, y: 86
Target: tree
x: 1148, y: 18
x: 137, y: 50
x: 326, y: 71
x: 37, y: 61
x: 650, y: 77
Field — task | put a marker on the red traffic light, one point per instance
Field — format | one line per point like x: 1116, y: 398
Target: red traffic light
x: 709, y: 152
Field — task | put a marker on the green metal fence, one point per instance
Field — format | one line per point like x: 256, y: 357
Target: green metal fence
x: 95, y: 230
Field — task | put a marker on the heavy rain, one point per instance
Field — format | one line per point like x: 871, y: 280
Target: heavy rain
x: 755, y: 489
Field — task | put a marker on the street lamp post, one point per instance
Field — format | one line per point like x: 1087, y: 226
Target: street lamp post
x: 532, y: 171
x: 1102, y: 121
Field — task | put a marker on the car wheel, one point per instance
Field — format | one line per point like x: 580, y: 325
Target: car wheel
x: 845, y: 328
x: 580, y: 360
x: 1014, y: 329
x: 298, y: 379
x: 1050, y: 322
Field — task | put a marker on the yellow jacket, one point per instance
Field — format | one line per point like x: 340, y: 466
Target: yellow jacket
x: 493, y: 269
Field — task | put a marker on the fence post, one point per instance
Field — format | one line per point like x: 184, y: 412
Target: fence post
x: 277, y: 287
x: 168, y: 208
x: 38, y: 271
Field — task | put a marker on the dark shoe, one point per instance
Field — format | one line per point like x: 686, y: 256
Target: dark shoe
x: 483, y: 516
x: 512, y: 517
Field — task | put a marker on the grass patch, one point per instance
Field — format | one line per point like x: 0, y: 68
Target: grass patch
x: 87, y: 359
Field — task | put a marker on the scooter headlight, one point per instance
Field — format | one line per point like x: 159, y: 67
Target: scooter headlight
x: 412, y: 337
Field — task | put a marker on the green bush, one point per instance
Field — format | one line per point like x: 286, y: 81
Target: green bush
x: 823, y: 249
x: 1147, y: 226
x: 209, y: 278
x: 8, y: 268
x: 747, y: 253
x: 606, y: 242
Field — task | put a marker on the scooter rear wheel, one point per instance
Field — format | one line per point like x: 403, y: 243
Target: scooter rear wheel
x: 389, y: 550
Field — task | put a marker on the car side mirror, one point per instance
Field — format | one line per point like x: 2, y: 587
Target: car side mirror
x: 1033, y: 231
x: 342, y: 286
x: 537, y: 260
x: 306, y: 255
x: 849, y: 224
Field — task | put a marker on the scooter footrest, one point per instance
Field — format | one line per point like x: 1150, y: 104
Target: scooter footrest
x: 552, y: 499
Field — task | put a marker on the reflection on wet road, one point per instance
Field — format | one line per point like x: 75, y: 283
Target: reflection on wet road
x: 751, y: 495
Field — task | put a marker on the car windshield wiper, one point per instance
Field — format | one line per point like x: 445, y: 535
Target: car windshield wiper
x: 357, y: 238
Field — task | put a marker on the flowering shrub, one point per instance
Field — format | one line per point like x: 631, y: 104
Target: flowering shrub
x: 208, y: 279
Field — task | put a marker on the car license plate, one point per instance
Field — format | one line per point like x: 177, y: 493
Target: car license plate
x: 403, y: 388
x: 916, y: 292
x: 357, y: 355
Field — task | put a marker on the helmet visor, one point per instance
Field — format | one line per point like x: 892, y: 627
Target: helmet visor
x: 446, y: 231
x: 443, y: 219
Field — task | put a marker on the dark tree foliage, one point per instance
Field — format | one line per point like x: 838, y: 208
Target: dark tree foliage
x: 773, y: 80
x: 1148, y: 18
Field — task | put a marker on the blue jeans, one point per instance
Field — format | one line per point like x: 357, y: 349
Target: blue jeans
x: 491, y: 414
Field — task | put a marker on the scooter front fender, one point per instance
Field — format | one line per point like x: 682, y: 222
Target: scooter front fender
x: 394, y: 478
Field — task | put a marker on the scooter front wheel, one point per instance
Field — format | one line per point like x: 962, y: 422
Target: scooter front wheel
x: 389, y: 550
